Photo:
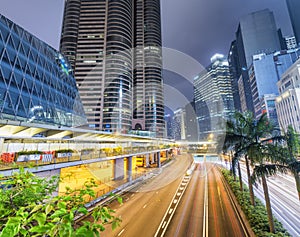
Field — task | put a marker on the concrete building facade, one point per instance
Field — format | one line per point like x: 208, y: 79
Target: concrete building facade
x: 288, y: 102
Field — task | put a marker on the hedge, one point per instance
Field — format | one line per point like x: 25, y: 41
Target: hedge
x: 256, y: 215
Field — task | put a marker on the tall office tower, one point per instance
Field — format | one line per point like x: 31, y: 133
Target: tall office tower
x: 148, y: 101
x: 259, y: 34
x: 179, y: 124
x: 117, y: 82
x: 293, y: 8
x: 256, y: 33
x: 191, y: 122
x: 235, y: 71
x: 213, y: 97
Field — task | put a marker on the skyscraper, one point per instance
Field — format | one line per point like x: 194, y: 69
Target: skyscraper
x: 259, y: 34
x: 115, y: 50
x: 235, y: 72
x: 213, y: 97
x: 256, y: 33
x: 293, y: 8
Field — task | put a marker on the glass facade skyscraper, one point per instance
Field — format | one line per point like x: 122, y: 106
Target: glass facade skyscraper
x: 213, y: 97
x: 115, y: 49
x: 36, y: 82
x: 256, y: 34
x: 293, y: 8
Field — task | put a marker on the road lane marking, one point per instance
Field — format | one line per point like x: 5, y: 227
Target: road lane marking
x: 121, y: 232
x: 169, y: 213
x: 205, y: 211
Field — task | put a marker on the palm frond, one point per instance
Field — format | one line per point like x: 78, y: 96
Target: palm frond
x: 266, y: 170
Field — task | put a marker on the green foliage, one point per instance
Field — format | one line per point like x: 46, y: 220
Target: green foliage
x: 29, y: 153
x: 64, y: 151
x: 257, y: 216
x: 27, y: 208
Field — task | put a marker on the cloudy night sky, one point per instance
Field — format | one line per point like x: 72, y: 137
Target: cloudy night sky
x: 197, y: 28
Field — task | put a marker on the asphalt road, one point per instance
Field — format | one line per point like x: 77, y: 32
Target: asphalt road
x: 144, y: 208
x: 205, y: 209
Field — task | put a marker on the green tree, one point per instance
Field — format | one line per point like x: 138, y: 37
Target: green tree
x: 292, y: 151
x: 27, y: 208
x: 268, y: 158
x: 249, y: 135
x: 240, y: 134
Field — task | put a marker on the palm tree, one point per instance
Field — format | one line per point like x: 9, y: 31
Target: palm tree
x: 239, y: 134
x: 249, y: 134
x: 269, y: 161
x: 293, y: 145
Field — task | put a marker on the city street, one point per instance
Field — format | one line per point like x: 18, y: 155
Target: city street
x: 144, y: 208
x: 206, y: 209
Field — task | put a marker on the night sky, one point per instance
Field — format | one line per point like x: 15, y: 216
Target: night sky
x: 196, y: 28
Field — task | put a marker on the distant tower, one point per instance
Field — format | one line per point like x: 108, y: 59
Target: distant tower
x: 213, y: 97
x: 259, y: 34
x: 256, y: 33
x: 293, y: 8
x: 115, y: 50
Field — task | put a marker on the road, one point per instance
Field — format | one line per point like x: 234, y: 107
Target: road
x: 205, y: 209
x: 144, y: 208
x: 284, y: 200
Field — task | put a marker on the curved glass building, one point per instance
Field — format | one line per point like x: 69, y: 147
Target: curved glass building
x: 151, y: 83
x: 70, y: 30
x: 117, y: 62
x: 36, y: 82
x: 117, y: 105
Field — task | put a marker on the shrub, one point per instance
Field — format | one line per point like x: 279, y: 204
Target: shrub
x: 257, y: 216
x: 27, y: 208
x: 29, y: 152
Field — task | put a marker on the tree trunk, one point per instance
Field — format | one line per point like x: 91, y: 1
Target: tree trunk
x: 268, y: 204
x: 249, y: 181
x: 240, y: 176
x: 297, y: 179
x: 232, y: 171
